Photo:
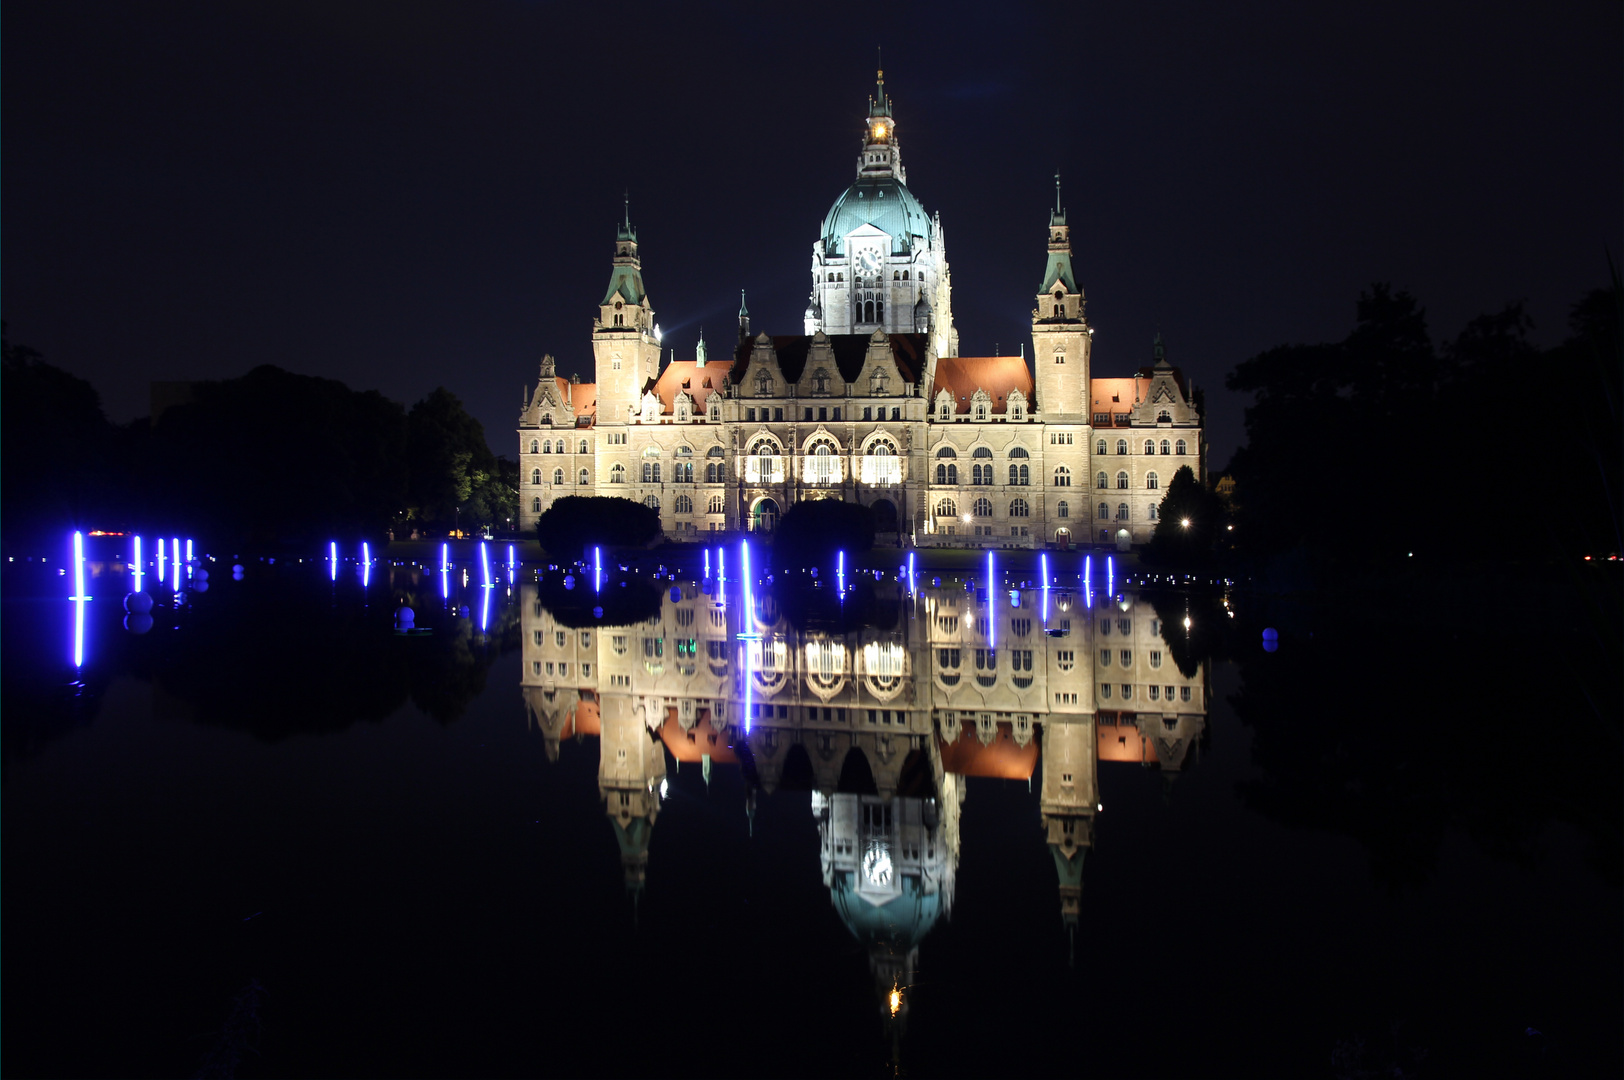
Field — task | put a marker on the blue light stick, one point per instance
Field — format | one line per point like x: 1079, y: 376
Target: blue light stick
x: 992, y: 615
x: 79, y: 599
x: 137, y: 564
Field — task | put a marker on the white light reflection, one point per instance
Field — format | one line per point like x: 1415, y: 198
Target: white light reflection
x: 911, y: 591
x: 137, y: 565
x: 484, y: 609
x: 79, y: 599
x: 840, y: 573
x: 707, y: 564
x: 188, y: 550
x: 174, y: 563
x: 332, y: 557
x: 160, y: 559
x: 597, y: 569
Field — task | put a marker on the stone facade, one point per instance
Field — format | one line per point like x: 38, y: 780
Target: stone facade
x: 871, y: 404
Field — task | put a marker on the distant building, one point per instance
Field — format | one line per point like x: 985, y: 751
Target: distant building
x: 871, y: 403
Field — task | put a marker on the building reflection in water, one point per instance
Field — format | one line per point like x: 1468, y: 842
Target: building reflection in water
x: 884, y: 725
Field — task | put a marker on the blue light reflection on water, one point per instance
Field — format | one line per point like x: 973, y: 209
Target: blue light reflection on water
x: 160, y: 559
x: 992, y: 617
x: 136, y: 565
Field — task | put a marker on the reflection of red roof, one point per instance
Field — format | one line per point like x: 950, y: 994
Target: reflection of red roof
x: 1122, y: 742
x: 1002, y: 757
x: 699, y: 382
x: 696, y: 743
x: 962, y: 376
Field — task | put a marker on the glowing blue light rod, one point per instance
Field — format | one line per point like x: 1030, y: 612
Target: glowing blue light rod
x: 79, y: 599
x: 174, y: 563
x: 366, y: 565
x: 161, y: 574
x: 445, y: 558
x: 1110, y: 577
x: 137, y: 565
x: 992, y: 614
x: 485, y: 565
x: 188, y: 549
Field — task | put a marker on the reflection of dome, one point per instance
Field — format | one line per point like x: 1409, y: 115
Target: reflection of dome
x: 899, y: 924
x: 883, y: 202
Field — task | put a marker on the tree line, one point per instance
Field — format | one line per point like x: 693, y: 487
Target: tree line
x: 270, y: 460
x: 1385, y: 447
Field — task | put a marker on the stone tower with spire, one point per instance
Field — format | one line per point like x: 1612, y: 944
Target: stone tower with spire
x: 1061, y: 338
x: 625, y: 344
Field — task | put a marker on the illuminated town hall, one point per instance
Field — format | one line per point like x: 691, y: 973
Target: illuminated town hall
x: 871, y: 403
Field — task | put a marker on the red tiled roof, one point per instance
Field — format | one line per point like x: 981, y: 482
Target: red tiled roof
x: 962, y: 376
x: 699, y: 382
x: 1117, y: 395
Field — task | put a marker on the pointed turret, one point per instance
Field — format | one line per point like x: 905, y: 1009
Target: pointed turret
x: 881, y: 156
x: 744, y: 318
x: 699, y: 351
x: 1059, y: 298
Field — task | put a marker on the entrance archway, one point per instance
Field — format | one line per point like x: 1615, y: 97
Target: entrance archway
x: 1124, y: 540
x: 885, y: 516
x: 764, y: 516
x: 1063, y: 538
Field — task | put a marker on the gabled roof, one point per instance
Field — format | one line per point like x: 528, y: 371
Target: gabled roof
x: 962, y: 376
x: 851, y: 350
x: 582, y: 397
x: 699, y: 383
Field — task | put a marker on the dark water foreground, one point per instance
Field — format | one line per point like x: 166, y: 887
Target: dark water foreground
x: 270, y: 837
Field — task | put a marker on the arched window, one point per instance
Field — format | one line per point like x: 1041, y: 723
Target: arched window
x: 1105, y: 512
x: 868, y: 311
x: 1020, y: 475
x: 1102, y: 481
x: 896, y: 275
x: 685, y: 505
x: 1165, y: 446
x: 1151, y: 481
x: 764, y: 384
x: 712, y: 473
x: 1164, y: 417
x: 582, y: 478
x: 824, y: 466
x: 1062, y: 477
x: 1019, y: 508
x: 831, y: 275
x: 535, y: 506
x: 716, y: 504
x: 651, y: 472
x: 982, y: 508
x: 581, y: 448
x: 1099, y: 447
x: 534, y: 447
x: 1122, y: 512
x: 1019, y: 453
x: 1178, y: 447
x: 947, y: 474
x: 981, y: 410
x: 1150, y: 446
x: 947, y: 452
x: 947, y: 508
x: 1122, y: 481
x: 546, y: 446
x: 1122, y: 446
x: 1062, y: 509
x: 535, y: 476
x: 905, y: 275
x: 617, y: 474
x: 977, y: 476
x: 558, y: 476
x: 1153, y: 516
x: 559, y: 447
x: 652, y: 502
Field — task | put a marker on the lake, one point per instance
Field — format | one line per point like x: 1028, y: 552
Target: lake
x: 628, y: 824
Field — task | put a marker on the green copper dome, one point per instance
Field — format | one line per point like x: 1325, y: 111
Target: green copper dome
x: 883, y: 202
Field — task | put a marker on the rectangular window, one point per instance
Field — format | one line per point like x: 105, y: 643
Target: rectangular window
x: 1184, y: 693
x: 750, y: 414
x: 1105, y: 658
x: 808, y: 416
x: 1155, y: 658
x: 1126, y: 658
x: 535, y: 667
x: 896, y: 413
x: 563, y: 669
x: 1101, y: 419
x: 837, y: 413
x: 823, y: 414
x: 778, y: 414
x: 549, y: 667
x: 586, y: 671
x: 866, y: 411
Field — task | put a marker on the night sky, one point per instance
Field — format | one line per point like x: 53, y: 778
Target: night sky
x: 404, y: 195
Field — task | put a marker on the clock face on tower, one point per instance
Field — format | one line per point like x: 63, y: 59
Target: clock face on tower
x: 868, y: 260
x: 877, y: 864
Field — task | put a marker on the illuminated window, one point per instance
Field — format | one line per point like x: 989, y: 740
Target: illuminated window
x: 617, y: 474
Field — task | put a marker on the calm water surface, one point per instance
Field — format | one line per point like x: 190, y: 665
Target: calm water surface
x: 763, y: 831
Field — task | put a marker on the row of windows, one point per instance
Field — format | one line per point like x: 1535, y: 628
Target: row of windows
x: 1125, y: 656
x: 536, y: 668
x: 1179, y: 447
x: 547, y: 446
x: 1103, y: 512
x: 1018, y: 508
x: 1101, y: 480
x: 1154, y: 693
x: 558, y: 476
